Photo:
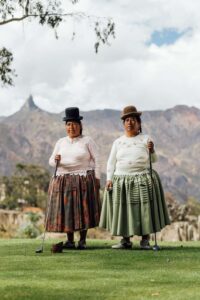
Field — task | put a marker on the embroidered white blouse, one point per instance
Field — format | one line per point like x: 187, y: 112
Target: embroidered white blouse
x: 129, y: 156
x: 78, y: 155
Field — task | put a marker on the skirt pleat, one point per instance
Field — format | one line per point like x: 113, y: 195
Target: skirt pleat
x: 74, y: 203
x: 135, y: 206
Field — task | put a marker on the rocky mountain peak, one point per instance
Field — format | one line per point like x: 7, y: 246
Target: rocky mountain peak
x: 27, y: 136
x: 29, y: 104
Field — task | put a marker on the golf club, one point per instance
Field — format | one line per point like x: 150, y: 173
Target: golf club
x: 41, y: 248
x: 155, y: 247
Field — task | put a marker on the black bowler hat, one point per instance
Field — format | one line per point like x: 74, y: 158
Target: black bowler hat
x: 72, y: 114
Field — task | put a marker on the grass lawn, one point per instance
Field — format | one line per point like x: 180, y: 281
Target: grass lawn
x: 99, y: 272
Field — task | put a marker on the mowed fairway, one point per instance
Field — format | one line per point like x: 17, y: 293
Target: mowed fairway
x: 99, y: 272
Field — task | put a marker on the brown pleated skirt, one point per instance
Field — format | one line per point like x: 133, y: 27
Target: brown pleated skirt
x: 74, y: 203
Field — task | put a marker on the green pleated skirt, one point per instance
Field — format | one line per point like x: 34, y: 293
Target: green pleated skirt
x: 135, y: 206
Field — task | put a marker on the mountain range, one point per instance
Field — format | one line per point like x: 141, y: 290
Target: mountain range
x: 29, y: 135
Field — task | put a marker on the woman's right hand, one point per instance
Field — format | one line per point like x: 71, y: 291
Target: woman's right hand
x: 57, y: 157
x: 109, y: 185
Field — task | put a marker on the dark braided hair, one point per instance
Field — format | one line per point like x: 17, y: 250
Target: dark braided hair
x: 138, y: 118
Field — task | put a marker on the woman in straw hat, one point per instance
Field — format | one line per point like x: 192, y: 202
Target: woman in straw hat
x: 75, y: 202
x: 133, y: 204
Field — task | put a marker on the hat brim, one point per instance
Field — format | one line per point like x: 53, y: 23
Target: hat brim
x: 73, y: 119
x: 138, y: 113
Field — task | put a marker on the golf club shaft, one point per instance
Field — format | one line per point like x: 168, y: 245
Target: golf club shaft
x: 55, y: 171
x: 152, y: 183
x: 49, y: 204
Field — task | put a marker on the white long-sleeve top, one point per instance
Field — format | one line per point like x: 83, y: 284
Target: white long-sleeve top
x: 129, y: 156
x: 78, y: 155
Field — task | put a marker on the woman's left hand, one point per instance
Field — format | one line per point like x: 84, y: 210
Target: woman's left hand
x: 150, y: 146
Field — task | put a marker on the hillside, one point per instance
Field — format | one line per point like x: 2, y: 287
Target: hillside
x: 29, y: 136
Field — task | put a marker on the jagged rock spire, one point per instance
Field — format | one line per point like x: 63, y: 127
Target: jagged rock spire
x: 29, y: 104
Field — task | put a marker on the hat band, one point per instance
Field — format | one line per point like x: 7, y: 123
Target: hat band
x: 135, y: 113
x: 72, y: 118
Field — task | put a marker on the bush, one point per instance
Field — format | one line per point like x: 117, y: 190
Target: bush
x: 31, y: 228
x: 194, y: 206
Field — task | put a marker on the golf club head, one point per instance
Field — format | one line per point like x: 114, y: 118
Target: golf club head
x: 156, y: 248
x: 39, y: 250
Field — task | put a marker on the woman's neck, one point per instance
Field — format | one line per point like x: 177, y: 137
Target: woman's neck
x: 73, y: 137
x: 131, y: 134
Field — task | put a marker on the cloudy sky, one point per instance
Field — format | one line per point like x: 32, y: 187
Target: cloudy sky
x: 153, y: 63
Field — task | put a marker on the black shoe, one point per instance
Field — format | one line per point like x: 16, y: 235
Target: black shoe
x: 123, y: 245
x: 69, y: 245
x: 81, y: 245
x: 145, y: 245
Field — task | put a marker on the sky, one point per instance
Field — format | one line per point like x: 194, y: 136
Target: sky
x: 153, y: 63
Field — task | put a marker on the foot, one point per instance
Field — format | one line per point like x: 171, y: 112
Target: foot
x: 81, y: 245
x: 145, y: 245
x: 69, y: 245
x: 124, y: 244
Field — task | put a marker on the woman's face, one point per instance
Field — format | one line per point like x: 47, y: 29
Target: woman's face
x: 73, y: 129
x: 131, y: 126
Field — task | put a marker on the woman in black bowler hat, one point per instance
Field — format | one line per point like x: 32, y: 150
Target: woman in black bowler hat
x: 75, y: 204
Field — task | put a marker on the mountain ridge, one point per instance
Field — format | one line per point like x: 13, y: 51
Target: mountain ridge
x: 29, y: 135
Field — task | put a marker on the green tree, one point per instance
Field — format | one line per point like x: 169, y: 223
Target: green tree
x: 45, y: 12
x: 29, y: 183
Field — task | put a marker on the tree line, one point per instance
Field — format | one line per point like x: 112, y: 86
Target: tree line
x: 28, y: 186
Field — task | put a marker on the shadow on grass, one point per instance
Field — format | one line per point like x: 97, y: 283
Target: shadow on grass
x: 181, y: 247
x: 28, y: 248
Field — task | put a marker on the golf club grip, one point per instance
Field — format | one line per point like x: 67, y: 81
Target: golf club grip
x: 55, y: 171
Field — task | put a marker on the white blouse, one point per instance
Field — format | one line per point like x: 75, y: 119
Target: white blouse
x: 129, y: 156
x: 78, y: 155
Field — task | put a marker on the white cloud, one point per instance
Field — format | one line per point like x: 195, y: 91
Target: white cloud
x: 63, y: 72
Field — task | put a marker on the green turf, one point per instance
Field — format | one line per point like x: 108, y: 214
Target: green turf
x: 99, y: 272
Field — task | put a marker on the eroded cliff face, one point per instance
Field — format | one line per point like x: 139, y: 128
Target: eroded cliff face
x: 10, y: 221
